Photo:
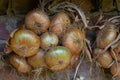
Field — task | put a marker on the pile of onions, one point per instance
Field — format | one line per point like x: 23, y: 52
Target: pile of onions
x: 105, y: 56
x: 55, y: 48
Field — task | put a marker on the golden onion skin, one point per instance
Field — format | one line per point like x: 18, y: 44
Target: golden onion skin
x: 37, y: 21
x: 25, y: 43
x: 58, y: 58
x: 106, y: 35
x: 73, y: 39
x: 114, y: 69
x: 116, y: 51
x: 59, y: 23
x: 37, y: 60
x: 104, y: 59
x: 19, y: 63
x: 48, y: 40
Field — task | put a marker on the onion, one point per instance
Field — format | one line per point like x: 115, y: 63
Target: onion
x: 37, y: 61
x: 37, y: 21
x: 58, y: 58
x: 106, y: 35
x: 116, y: 51
x: 48, y: 40
x: 104, y: 59
x: 59, y: 23
x: 73, y: 39
x: 117, y: 48
x: 24, y: 42
x: 19, y: 63
x: 114, y: 69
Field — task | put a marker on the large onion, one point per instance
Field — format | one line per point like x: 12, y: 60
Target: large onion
x: 59, y: 23
x: 24, y: 43
x: 73, y: 39
x: 58, y: 58
x: 104, y: 59
x: 19, y: 63
x: 37, y: 61
x: 106, y: 35
x: 37, y: 21
x: 48, y: 40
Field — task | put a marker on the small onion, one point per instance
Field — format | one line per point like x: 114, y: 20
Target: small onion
x: 104, y: 59
x: 73, y: 39
x: 116, y: 50
x: 106, y: 35
x: 19, y: 63
x: 115, y: 69
x: 24, y: 43
x: 48, y: 40
x: 37, y: 21
x: 59, y: 23
x: 58, y: 58
x: 37, y: 61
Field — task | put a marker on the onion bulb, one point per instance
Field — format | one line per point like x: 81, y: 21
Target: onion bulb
x: 58, y: 58
x: 115, y: 69
x: 73, y: 39
x: 59, y: 23
x: 37, y: 21
x: 37, y: 61
x: 48, y: 40
x: 106, y: 35
x: 24, y: 43
x: 116, y: 51
x: 19, y: 63
x: 104, y: 59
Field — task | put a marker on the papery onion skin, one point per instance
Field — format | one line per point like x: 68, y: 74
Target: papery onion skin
x: 73, y: 39
x: 48, y: 40
x: 37, y: 61
x: 58, y: 58
x: 116, y: 51
x: 25, y: 43
x: 114, y: 69
x: 59, y: 23
x: 19, y: 63
x: 37, y: 21
x: 104, y: 59
x: 106, y: 35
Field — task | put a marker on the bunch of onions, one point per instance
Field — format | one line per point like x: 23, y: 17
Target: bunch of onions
x: 56, y: 48
x: 37, y: 21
